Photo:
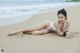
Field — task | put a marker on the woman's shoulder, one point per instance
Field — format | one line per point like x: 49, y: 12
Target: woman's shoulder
x: 56, y: 23
x: 68, y: 22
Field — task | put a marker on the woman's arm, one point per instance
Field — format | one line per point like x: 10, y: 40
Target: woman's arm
x: 59, y: 30
x: 62, y: 33
x: 67, y: 26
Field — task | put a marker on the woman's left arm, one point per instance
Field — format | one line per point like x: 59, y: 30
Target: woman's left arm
x: 68, y: 34
x: 67, y: 26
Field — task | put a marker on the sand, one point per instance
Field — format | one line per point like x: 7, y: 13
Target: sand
x: 48, y: 43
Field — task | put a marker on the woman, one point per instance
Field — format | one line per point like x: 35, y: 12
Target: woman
x: 61, y: 27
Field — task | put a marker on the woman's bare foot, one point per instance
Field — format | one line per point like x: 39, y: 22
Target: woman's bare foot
x: 12, y: 33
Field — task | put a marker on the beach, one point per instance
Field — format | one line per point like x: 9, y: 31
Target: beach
x: 48, y: 43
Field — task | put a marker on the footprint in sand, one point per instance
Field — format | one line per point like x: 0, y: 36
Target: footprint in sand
x: 76, y: 32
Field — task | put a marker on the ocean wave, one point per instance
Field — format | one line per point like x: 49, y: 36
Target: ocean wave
x: 28, y: 10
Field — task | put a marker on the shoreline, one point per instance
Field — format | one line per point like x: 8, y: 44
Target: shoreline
x: 4, y: 21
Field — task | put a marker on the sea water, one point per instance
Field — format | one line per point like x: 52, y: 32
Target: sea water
x: 16, y: 11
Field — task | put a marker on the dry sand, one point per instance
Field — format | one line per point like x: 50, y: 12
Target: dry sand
x: 48, y: 43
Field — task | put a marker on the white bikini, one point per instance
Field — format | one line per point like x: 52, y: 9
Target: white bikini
x: 52, y: 26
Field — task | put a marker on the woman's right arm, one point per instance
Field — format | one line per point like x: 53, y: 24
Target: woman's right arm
x: 58, y: 29
x: 61, y: 33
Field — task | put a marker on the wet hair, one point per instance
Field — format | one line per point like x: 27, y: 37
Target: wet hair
x: 63, y: 11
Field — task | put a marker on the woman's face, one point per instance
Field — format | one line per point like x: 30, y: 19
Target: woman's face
x: 61, y: 18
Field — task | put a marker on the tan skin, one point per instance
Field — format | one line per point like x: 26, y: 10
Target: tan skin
x: 44, y: 28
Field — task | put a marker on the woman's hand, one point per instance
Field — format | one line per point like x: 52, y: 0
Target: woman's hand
x: 69, y: 34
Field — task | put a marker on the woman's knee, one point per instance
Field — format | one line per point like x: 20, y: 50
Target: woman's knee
x: 39, y: 32
x: 36, y: 32
x: 44, y: 31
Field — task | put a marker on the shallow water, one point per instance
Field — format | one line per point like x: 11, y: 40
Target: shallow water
x: 10, y: 14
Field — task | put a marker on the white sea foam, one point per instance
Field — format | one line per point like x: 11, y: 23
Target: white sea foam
x: 13, y: 14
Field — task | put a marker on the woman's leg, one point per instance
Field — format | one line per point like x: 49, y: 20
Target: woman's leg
x: 40, y: 32
x: 37, y: 27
